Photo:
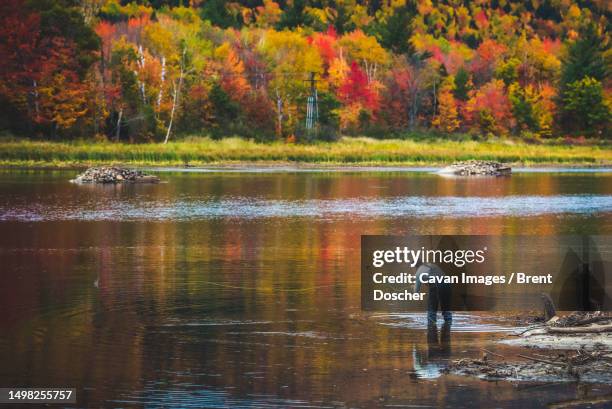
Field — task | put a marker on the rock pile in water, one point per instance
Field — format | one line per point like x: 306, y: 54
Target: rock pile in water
x: 112, y: 174
x: 477, y: 167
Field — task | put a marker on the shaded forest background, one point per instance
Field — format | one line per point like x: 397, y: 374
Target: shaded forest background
x: 152, y: 70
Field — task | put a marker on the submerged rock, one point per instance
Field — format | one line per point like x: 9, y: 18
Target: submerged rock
x: 477, y: 167
x: 112, y: 174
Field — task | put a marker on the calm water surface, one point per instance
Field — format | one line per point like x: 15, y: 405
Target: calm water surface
x: 241, y: 288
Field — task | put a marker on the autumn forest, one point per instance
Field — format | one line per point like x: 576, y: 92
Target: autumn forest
x: 301, y: 70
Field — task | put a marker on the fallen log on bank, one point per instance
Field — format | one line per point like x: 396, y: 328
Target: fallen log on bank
x: 580, y: 330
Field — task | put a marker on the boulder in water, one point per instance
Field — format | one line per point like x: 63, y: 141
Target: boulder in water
x: 113, y: 174
x: 477, y: 168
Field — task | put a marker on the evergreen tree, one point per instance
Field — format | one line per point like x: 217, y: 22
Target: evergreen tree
x: 585, y: 58
x: 462, y: 84
x: 341, y: 17
x: 585, y: 104
x: 225, y: 110
x: 295, y: 16
x: 394, y: 33
x: 218, y: 15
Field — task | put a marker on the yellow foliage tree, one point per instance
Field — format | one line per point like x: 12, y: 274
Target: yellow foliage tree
x: 366, y: 50
x: 447, y: 118
x: 62, y: 101
x: 291, y: 57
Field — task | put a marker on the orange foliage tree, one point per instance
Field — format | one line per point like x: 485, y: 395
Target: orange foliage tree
x: 489, y: 110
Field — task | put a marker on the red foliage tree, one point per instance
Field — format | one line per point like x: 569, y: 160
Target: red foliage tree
x: 325, y: 44
x: 489, y: 109
x: 20, y: 49
x: 488, y: 54
x: 355, y: 89
x: 106, y: 32
x: 38, y: 75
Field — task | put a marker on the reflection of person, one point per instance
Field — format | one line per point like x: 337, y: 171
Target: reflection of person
x: 439, y: 293
x: 438, y: 352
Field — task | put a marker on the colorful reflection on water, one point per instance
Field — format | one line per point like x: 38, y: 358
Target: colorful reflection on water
x: 241, y: 289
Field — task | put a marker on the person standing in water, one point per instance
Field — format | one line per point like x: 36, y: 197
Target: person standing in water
x: 439, y: 294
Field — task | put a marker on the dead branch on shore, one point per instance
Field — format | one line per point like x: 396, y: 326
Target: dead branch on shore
x: 544, y: 361
x: 532, y: 328
x: 493, y: 353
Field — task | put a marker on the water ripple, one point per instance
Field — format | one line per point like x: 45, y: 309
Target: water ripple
x: 243, y: 207
x: 193, y: 397
x: 461, y: 322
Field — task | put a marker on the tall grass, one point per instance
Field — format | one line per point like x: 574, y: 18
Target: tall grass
x: 358, y: 151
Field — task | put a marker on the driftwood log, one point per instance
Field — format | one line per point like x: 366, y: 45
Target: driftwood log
x: 591, y: 320
x: 580, y: 330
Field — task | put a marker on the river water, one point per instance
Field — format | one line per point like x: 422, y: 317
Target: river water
x: 240, y: 288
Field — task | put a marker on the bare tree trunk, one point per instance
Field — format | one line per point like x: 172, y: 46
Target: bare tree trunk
x: 141, y: 64
x: 36, y: 106
x: 176, y: 96
x: 370, y: 70
x: 279, y: 115
x: 118, y: 132
x: 435, y: 99
x: 163, y: 80
x: 95, y: 119
x: 414, y: 107
x: 30, y: 102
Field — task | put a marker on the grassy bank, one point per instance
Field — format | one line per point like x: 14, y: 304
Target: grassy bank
x: 348, y: 151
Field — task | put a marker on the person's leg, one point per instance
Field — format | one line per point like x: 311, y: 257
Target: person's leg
x: 444, y: 294
x: 432, y: 304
